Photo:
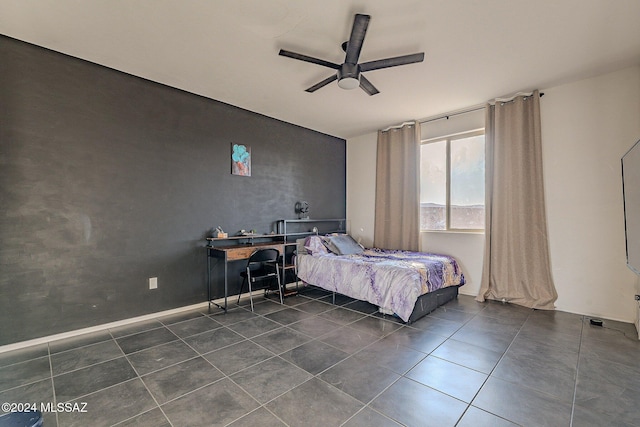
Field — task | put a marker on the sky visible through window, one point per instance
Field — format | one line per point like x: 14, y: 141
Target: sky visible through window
x: 466, y: 183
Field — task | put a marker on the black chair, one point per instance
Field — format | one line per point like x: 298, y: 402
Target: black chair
x: 262, y: 270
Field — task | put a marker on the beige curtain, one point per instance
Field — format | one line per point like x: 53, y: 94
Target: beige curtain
x: 397, y: 215
x: 516, y: 257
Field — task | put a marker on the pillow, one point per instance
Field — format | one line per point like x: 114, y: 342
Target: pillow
x: 300, y: 249
x: 314, y: 245
x: 342, y: 244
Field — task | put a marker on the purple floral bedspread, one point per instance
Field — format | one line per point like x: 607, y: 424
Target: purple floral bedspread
x: 390, y: 279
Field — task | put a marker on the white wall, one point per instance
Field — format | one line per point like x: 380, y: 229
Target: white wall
x: 586, y: 128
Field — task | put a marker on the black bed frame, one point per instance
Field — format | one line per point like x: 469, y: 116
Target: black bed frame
x: 428, y: 302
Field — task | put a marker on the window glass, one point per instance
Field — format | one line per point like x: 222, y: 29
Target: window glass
x: 433, y: 186
x: 467, y: 183
x: 452, y: 183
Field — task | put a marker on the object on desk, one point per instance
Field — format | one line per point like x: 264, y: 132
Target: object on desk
x: 218, y: 233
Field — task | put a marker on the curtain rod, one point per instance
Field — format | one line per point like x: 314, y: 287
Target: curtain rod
x: 472, y: 109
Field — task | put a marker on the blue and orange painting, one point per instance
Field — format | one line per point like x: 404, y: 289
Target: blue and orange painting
x: 240, y: 160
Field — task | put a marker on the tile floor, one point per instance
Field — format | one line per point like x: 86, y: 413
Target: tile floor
x: 311, y: 363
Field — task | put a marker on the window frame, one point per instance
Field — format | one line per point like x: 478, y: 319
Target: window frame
x: 447, y: 139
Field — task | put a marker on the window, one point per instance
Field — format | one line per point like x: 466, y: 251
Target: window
x: 452, y: 183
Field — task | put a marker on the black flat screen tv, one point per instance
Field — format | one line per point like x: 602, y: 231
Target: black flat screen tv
x: 631, y: 195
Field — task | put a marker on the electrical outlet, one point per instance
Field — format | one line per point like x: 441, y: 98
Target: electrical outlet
x: 153, y: 283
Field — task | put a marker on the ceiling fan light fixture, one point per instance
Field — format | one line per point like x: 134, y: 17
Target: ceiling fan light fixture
x: 349, y: 83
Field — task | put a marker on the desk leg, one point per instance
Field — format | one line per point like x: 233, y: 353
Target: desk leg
x: 226, y: 288
x: 209, y: 278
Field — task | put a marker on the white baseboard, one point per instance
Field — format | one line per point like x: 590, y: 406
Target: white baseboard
x: 102, y: 327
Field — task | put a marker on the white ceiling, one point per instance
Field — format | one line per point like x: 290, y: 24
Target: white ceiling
x: 227, y: 50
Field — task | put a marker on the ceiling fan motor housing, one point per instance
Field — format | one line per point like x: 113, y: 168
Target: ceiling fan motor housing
x: 349, y: 76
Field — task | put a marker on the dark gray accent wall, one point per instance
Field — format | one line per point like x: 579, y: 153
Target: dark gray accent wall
x: 107, y: 179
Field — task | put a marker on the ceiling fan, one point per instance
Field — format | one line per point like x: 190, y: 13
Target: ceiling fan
x: 349, y: 74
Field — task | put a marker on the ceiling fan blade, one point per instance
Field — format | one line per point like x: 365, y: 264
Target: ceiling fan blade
x: 367, y: 86
x: 392, y: 62
x: 306, y: 58
x: 354, y: 45
x: 323, y: 83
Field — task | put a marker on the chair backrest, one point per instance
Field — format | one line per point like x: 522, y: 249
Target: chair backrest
x: 264, y: 255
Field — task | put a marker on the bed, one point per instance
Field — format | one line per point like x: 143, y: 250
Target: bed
x: 402, y: 283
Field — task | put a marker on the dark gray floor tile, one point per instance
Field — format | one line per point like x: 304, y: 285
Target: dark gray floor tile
x: 314, y: 292
x: 314, y: 356
x: 475, y: 417
x: 615, y: 347
x: 413, y: 404
x: 416, y: 339
x: 521, y: 404
x: 237, y: 357
x: 38, y: 393
x: 556, y: 321
x: 331, y: 407
x: 506, y: 311
x: 449, y: 378
x: 84, y: 356
x: 288, y: 316
x: 152, y: 418
x: 611, y: 331
x: 232, y: 316
x: 266, y: 307
x: 315, y: 326
x: 550, y: 370
x: 143, y: 340
x: 362, y: 307
x: 469, y: 355
x: 555, y: 337
x: 609, y: 388
x: 160, y: 356
x: 254, y: 327
x: 24, y: 373
x: 260, y: 417
x: 23, y: 354
x: 503, y: 325
x: 79, y: 341
x: 342, y: 315
x: 181, y: 317
x: 174, y: 381
x: 438, y: 326
x: 339, y: 299
x: 374, y: 326
x: 293, y: 301
x: 314, y: 307
x: 110, y: 406
x: 495, y: 340
x: 587, y: 417
x: 194, y: 326
x: 281, y: 340
x: 359, y: 379
x: 367, y: 417
x: 391, y: 356
x: 214, y: 405
x: 213, y: 340
x: 93, y: 378
x: 389, y: 318
x: 448, y: 313
x: 135, y: 328
x: 466, y: 303
x: 270, y: 379
x: 348, y: 339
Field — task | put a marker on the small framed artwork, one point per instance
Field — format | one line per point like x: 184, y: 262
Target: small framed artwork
x: 240, y: 160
